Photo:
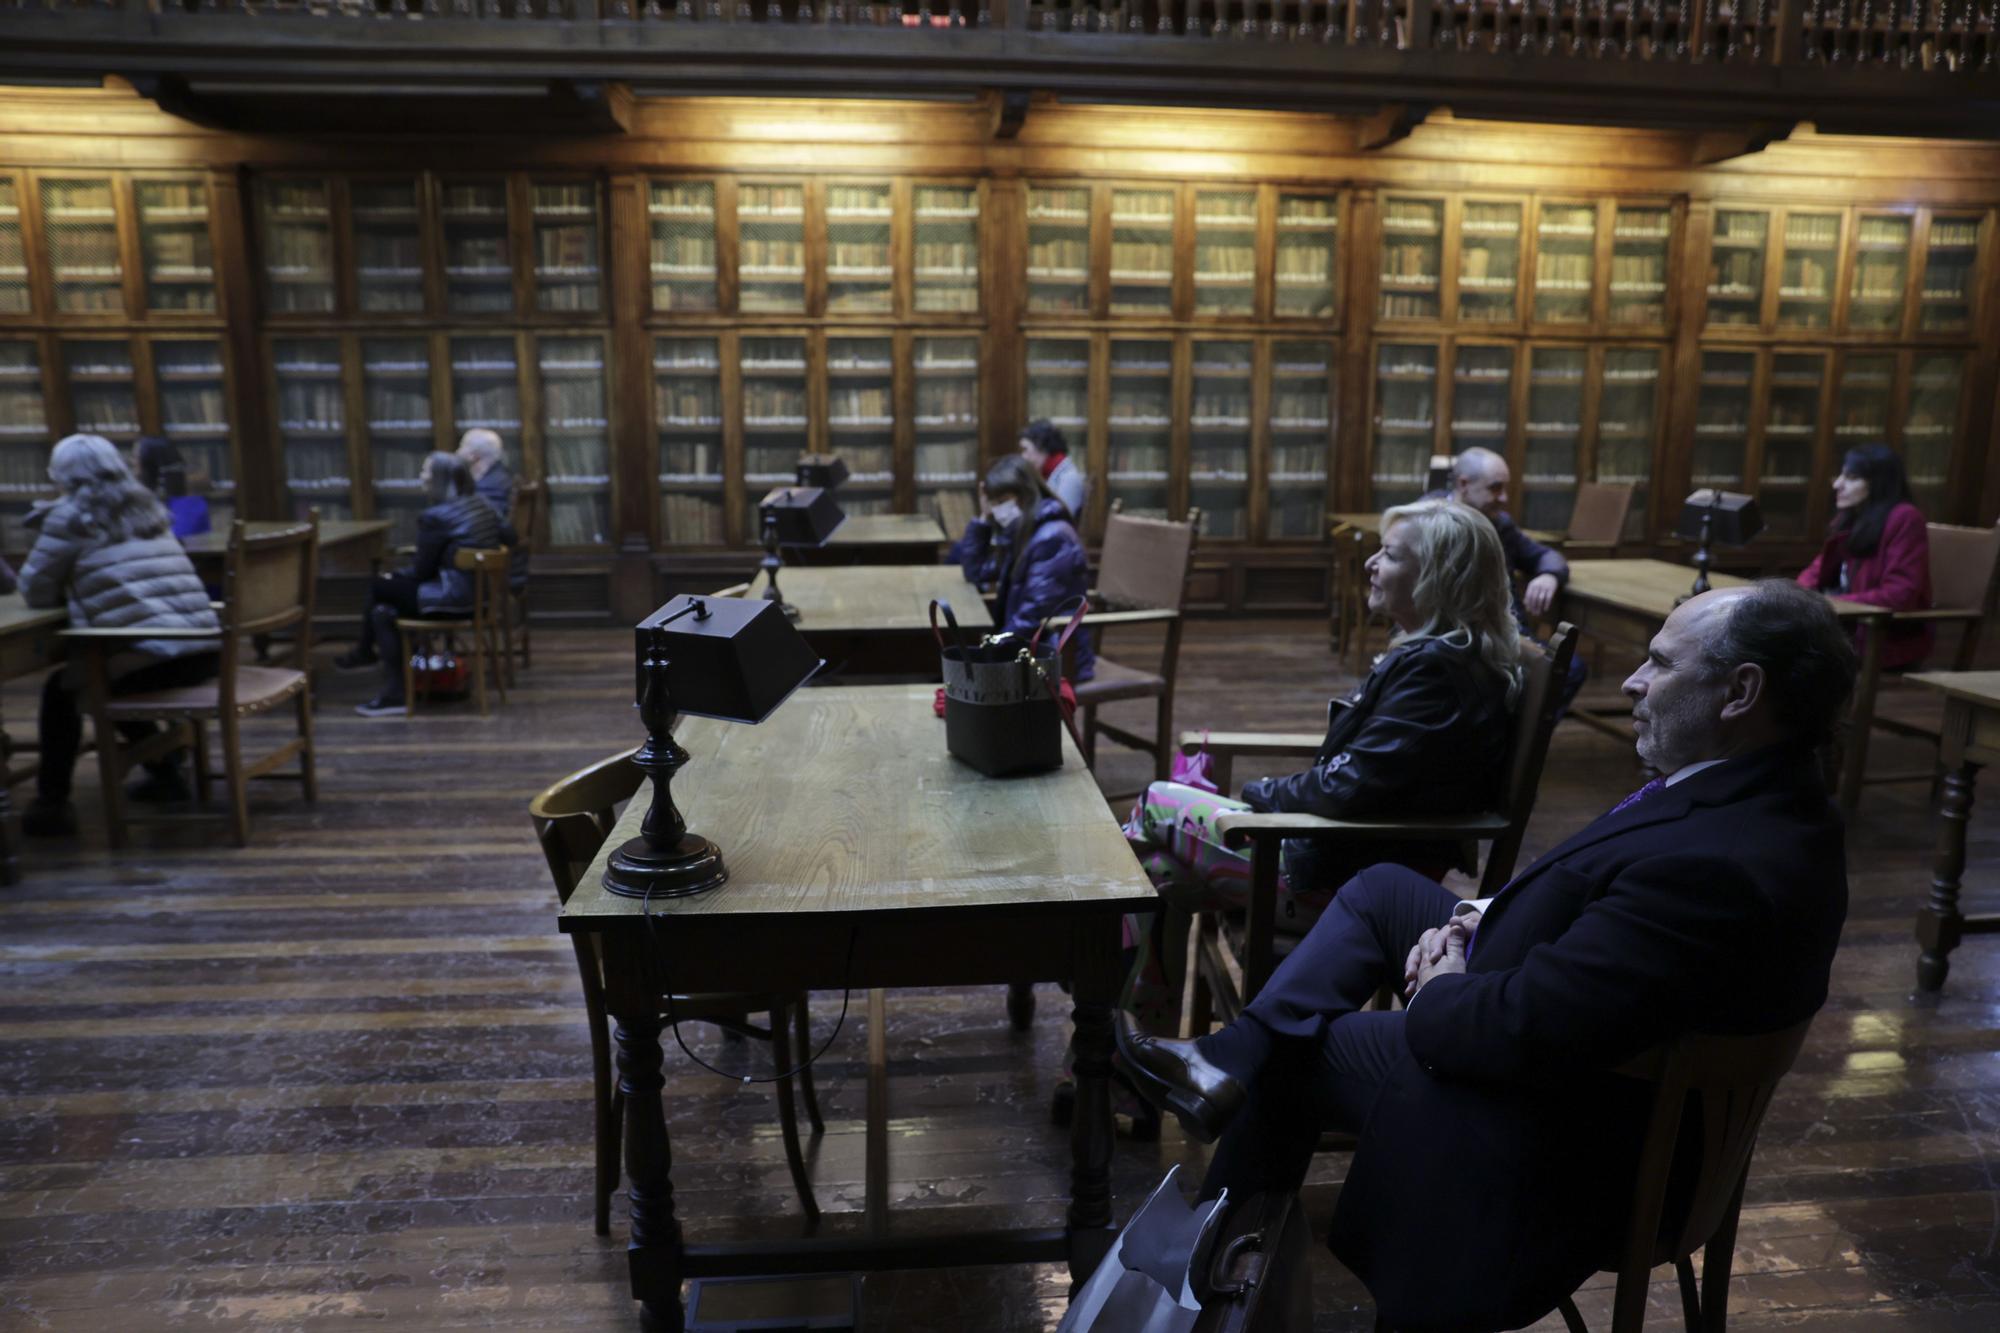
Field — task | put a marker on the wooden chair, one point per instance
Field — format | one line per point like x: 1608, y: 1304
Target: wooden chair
x: 483, y: 633
x: 954, y: 510
x: 1347, y: 597
x: 1728, y: 1083
x: 267, y: 587
x: 572, y: 820
x: 1597, y: 520
x: 530, y: 508
x: 1218, y: 993
x: 1965, y: 591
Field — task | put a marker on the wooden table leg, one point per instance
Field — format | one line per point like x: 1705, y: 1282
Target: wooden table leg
x: 10, y: 863
x: 655, y: 1251
x: 1861, y: 718
x: 1940, y: 925
x: 1095, y: 989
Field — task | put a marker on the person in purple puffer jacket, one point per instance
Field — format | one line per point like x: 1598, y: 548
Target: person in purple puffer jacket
x: 1023, y: 551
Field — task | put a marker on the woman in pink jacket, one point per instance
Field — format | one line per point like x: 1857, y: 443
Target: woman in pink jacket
x: 1878, y: 549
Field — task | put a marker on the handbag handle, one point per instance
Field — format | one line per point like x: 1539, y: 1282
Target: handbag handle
x: 1062, y: 640
x: 957, y: 634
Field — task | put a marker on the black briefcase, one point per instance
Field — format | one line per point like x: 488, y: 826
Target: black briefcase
x: 1258, y: 1274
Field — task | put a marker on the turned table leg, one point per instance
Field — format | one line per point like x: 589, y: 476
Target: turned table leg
x: 1090, y: 1134
x: 1940, y: 925
x: 654, y: 1253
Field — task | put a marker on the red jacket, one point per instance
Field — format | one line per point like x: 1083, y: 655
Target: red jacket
x: 1897, y: 574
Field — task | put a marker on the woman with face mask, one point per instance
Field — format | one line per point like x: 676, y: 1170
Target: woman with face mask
x: 1024, y: 553
x: 1878, y: 549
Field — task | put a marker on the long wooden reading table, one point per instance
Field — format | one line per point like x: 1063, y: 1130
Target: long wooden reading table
x: 878, y: 539
x: 874, y: 620
x: 28, y: 643
x: 1970, y: 740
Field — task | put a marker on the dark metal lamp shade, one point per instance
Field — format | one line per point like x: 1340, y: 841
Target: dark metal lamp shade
x: 805, y: 515
x: 825, y: 471
x: 733, y: 658
x: 1733, y: 519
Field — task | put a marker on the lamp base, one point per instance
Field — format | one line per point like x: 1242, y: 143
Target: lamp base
x: 692, y: 865
x: 785, y: 608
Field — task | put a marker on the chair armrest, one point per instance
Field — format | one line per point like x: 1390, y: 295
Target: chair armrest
x: 1240, y: 828
x: 1151, y: 616
x: 1940, y: 613
x: 1252, y: 742
x: 135, y: 634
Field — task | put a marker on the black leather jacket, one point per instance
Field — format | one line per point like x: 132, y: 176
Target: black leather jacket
x: 1425, y: 734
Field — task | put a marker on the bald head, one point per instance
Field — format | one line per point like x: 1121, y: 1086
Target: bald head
x: 481, y: 449
x: 1479, y: 479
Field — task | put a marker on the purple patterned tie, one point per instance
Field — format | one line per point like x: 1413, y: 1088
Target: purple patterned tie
x: 1655, y: 785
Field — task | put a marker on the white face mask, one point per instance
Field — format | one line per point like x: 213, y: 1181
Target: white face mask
x: 1007, y: 513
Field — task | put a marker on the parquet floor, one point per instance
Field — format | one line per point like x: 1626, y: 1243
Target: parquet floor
x: 341, y: 1078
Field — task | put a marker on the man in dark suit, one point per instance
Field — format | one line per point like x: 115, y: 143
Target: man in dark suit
x: 1497, y: 1147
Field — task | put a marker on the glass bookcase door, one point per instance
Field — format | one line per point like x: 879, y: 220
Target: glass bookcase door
x: 193, y: 392
x: 312, y: 426
x: 1640, y: 237
x: 80, y: 229
x: 396, y: 394
x: 1307, y: 247
x: 946, y: 371
x: 295, y: 226
x: 1736, y: 267
x: 1881, y: 278
x: 1225, y: 252
x: 1951, y: 273
x: 1552, y: 455
x: 1930, y: 424
x: 1059, y: 393
x: 1791, y: 441
x: 1059, y: 250
x: 1219, y: 437
x: 103, y: 389
x: 687, y: 409
x: 1627, y: 418
x: 1405, y: 421
x: 1412, y: 258
x: 486, y: 390
x: 478, y: 256
x: 773, y: 376
x: 1723, y: 408
x: 946, y: 253
x: 1301, y: 426
x: 860, y: 273
x: 576, y: 439
x: 1142, y: 252
x: 1482, y: 381
x: 1862, y: 399
x: 174, y: 245
x: 682, y: 216
x: 1811, y: 266
x: 861, y: 420
x: 388, y: 244
x: 1139, y: 425
x: 15, y: 294
x: 771, y: 250
x: 24, y: 439
x: 1489, y: 261
x: 567, y: 272
x: 1565, y: 263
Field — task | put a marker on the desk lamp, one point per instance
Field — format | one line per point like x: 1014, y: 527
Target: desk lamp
x: 825, y: 471
x: 1719, y: 516
x: 793, y: 516
x: 732, y: 658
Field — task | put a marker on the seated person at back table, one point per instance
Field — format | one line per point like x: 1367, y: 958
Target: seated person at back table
x: 1024, y: 552
x: 1498, y: 1147
x: 1043, y: 445
x: 484, y: 453
x: 432, y: 586
x: 1425, y: 734
x: 1878, y: 550
x: 163, y: 472
x: 106, y: 550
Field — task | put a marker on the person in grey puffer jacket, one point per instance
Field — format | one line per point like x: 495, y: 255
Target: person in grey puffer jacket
x: 106, y: 549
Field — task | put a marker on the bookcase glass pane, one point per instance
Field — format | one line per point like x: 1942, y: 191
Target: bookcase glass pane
x: 295, y: 225
x: 1736, y: 266
x: 103, y: 397
x: 861, y: 420
x: 174, y: 245
x: 1639, y: 238
x: 576, y: 439
x: 1951, y: 263
x: 682, y: 214
x: 773, y: 374
x: 947, y: 424
x: 1142, y: 252
x: 1812, y: 259
x: 14, y: 291
x: 1059, y: 391
x: 1791, y: 436
x: 388, y: 246
x: 1489, y: 261
x: 1929, y: 426
x: 947, y: 249
x: 1626, y: 414
x: 80, y: 229
x: 687, y: 410
x: 1553, y: 453
x: 1722, y: 419
x: 1301, y: 426
x: 860, y: 277
x: 1225, y: 252
x: 771, y: 249
x: 486, y: 390
x: 1059, y: 251
x: 194, y: 412
x: 1861, y: 401
x: 1481, y: 391
x: 396, y: 391
x: 312, y: 426
x: 1405, y: 421
x: 1139, y: 425
x: 1219, y: 438
x: 24, y: 440
x: 478, y: 257
x: 564, y: 214
x: 1412, y: 257
x: 1565, y: 263
x: 1881, y: 273
x: 1308, y: 237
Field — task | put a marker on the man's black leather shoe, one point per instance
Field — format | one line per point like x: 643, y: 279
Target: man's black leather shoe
x: 1173, y: 1075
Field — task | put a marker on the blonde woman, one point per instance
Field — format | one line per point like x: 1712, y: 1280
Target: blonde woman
x: 1425, y: 734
